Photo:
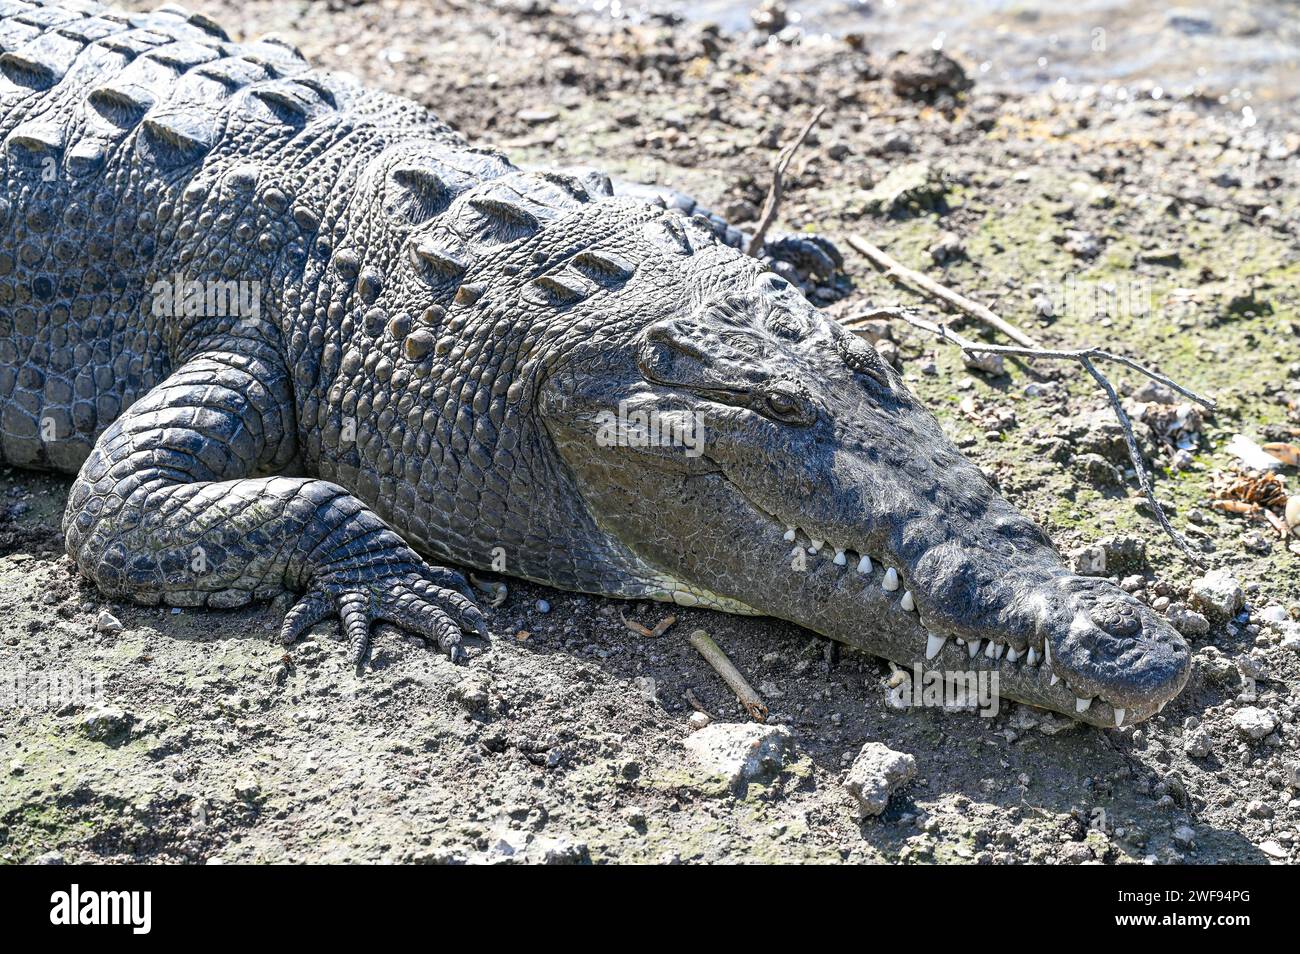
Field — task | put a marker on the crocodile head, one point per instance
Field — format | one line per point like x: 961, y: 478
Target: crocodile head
x: 755, y: 456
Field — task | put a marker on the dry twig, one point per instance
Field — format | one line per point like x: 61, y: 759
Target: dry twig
x: 774, y: 193
x: 660, y: 628
x: 1085, y: 357
x: 716, y: 658
x: 896, y: 270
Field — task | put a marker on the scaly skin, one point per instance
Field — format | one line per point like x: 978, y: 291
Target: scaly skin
x: 426, y: 365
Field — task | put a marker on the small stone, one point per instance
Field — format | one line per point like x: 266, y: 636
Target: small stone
x: 104, y: 723
x: 1217, y: 595
x: 50, y: 858
x: 1187, y: 621
x: 992, y: 364
x: 471, y: 692
x: 915, y: 185
x: 1089, y: 561
x: 926, y: 75
x: 1254, y: 723
x: 1198, y: 744
x: 543, y: 606
x: 108, y: 623
x: 1258, y: 809
x: 741, y: 751
x: 536, y: 117
x: 876, y: 774
x: 1272, y: 849
x: 699, y: 720
x: 1185, y: 835
x: 947, y: 248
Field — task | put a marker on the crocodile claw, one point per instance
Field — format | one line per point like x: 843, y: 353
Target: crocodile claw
x: 810, y: 256
x: 410, y: 601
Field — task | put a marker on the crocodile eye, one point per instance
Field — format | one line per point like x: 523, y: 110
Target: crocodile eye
x: 780, y: 404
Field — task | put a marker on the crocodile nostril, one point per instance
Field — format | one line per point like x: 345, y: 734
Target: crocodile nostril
x: 1116, y: 617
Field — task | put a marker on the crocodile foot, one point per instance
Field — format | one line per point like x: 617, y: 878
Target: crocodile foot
x: 431, y: 603
x: 803, y: 258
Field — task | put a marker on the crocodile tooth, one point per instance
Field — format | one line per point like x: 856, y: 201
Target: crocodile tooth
x: 1012, y: 654
x: 907, y: 602
x: 934, y: 645
x: 1033, y: 656
x: 789, y: 534
x: 1055, y: 679
x: 840, y: 559
x: 864, y: 565
x: 973, y: 647
x: 1119, y: 718
x: 816, y: 546
x: 1047, y: 652
x: 1081, y: 704
x: 890, y: 582
x: 998, y: 650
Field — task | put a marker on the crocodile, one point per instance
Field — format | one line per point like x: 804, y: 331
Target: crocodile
x: 298, y: 340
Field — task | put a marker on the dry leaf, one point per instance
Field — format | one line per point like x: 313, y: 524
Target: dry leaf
x: 1288, y: 454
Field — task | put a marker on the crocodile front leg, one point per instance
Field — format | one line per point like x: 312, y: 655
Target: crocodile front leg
x: 168, y: 508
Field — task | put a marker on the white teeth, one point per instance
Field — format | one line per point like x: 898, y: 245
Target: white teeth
x: 934, y: 645
x: 789, y: 534
x: 1033, y: 656
x: 991, y: 650
x: 864, y: 565
x: 1047, y: 652
x: 973, y: 647
x: 816, y: 545
x: 1119, y: 718
x: 1012, y: 654
x: 1055, y: 679
x: 890, y: 582
x: 839, y: 558
x: 907, y: 602
x: 1081, y: 704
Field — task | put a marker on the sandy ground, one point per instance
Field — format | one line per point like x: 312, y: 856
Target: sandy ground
x: 1163, y: 229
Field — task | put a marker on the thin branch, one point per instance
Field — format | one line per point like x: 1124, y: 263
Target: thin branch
x: 773, y: 200
x: 896, y: 270
x: 1085, y: 357
x: 724, y: 667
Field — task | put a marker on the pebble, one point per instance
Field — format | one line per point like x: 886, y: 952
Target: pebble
x: 108, y: 623
x: 1254, y: 723
x: 741, y: 751
x: 543, y: 606
x: 105, y: 722
x: 876, y: 774
x: 1198, y: 744
x: 1217, y: 595
x: 1187, y: 621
